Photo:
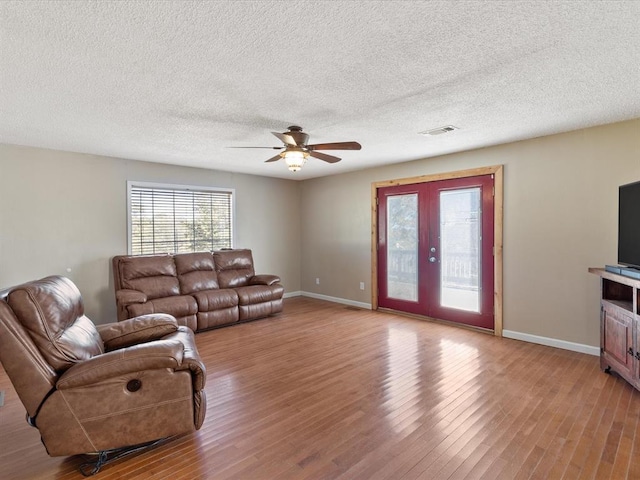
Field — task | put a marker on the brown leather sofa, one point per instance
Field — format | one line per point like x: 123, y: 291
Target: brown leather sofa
x: 90, y: 388
x: 201, y: 290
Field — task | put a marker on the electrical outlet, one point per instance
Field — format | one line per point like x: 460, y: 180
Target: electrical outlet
x: 317, y: 281
x: 361, y: 285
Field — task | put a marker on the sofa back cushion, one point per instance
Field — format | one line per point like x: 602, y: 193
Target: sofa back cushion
x: 154, y: 275
x: 52, y: 312
x: 196, y: 272
x: 234, y: 267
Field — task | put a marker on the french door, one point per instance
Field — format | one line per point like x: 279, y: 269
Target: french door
x: 435, y: 249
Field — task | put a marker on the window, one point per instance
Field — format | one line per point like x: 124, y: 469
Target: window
x: 178, y: 219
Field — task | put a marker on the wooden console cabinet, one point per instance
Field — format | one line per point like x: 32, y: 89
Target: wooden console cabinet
x: 620, y: 325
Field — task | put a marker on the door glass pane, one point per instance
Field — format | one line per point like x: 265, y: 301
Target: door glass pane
x: 460, y: 248
x: 402, y: 247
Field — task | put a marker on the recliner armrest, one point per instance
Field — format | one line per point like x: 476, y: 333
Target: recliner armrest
x: 126, y: 297
x: 264, y: 280
x: 133, y: 331
x: 147, y: 356
x: 191, y: 358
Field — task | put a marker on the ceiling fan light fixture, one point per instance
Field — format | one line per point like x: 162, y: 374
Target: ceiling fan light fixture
x: 295, y: 159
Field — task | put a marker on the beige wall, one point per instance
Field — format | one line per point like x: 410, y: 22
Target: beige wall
x: 560, y: 217
x: 61, y: 210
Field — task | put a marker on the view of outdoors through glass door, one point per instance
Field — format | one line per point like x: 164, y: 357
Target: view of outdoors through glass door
x: 402, y: 248
x: 460, y: 239
x: 435, y: 243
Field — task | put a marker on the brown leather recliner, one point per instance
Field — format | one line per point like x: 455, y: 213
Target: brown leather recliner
x: 93, y: 389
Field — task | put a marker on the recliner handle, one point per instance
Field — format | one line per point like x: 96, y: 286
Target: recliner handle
x: 32, y: 420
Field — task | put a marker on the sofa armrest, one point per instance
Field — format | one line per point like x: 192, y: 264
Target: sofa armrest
x: 147, y: 356
x: 264, y: 280
x: 128, y: 297
x: 142, y: 329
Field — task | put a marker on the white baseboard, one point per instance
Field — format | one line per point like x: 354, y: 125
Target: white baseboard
x: 552, y: 342
x: 343, y: 301
x: 292, y: 294
x: 525, y: 337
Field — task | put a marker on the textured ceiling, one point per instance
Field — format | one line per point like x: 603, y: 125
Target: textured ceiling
x: 181, y: 81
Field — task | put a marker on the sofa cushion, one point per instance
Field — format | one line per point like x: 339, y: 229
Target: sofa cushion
x: 255, y: 294
x: 234, y: 267
x: 196, y: 272
x: 210, y: 300
x: 51, y: 310
x: 217, y: 318
x: 258, y: 310
x: 154, y: 275
x: 179, y: 306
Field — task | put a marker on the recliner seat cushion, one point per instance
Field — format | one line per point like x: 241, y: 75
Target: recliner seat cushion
x: 179, y: 306
x: 216, y: 299
x: 52, y: 311
x: 258, y: 294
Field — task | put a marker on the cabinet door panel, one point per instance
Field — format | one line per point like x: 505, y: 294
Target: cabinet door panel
x: 617, y: 336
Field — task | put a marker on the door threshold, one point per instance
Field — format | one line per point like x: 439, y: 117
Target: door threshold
x: 488, y: 331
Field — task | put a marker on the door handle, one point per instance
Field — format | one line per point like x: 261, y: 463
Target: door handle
x: 432, y: 259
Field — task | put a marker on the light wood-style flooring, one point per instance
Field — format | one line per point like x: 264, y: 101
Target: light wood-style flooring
x: 327, y: 391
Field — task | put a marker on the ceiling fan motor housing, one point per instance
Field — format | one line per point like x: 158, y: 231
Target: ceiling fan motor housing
x: 298, y: 135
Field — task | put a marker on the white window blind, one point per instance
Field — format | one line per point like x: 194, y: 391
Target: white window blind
x: 173, y: 219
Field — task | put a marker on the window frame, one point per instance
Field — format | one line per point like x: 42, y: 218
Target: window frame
x: 178, y: 187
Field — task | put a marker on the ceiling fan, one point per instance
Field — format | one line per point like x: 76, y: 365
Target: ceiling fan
x: 296, y: 150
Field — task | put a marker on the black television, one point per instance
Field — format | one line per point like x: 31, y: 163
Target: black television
x: 629, y: 225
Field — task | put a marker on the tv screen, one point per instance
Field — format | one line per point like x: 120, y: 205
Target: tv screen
x: 629, y: 225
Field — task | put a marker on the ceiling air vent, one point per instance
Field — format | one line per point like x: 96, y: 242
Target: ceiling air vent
x: 439, y: 130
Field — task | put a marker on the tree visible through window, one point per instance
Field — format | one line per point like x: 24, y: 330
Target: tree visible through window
x: 179, y: 219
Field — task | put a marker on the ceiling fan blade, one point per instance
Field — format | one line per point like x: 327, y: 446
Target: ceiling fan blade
x: 335, y: 146
x: 286, y: 139
x: 325, y: 157
x: 270, y: 148
x: 273, y: 159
